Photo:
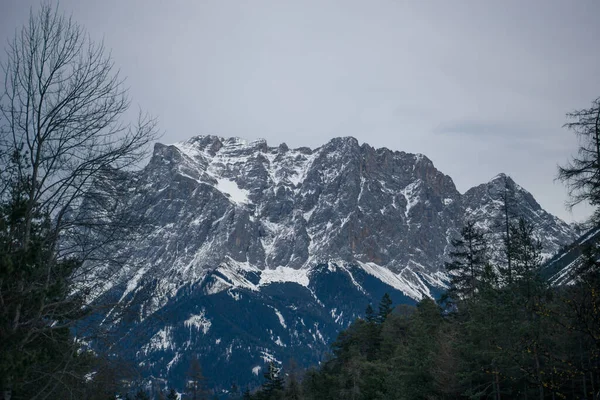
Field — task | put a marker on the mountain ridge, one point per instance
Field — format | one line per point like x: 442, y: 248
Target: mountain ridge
x: 281, y: 231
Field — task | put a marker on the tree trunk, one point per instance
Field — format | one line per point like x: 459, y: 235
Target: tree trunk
x: 497, y: 379
x: 538, y: 371
x: 507, y: 231
x: 593, y: 385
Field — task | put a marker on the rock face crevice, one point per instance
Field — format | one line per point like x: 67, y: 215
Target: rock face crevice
x: 233, y: 219
x: 214, y: 198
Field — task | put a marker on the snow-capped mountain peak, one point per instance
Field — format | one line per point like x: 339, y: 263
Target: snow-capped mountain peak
x: 305, y: 236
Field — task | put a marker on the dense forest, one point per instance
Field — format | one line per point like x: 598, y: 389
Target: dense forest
x: 494, y: 335
x: 500, y: 331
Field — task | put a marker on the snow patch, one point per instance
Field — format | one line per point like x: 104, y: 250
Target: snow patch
x: 161, y: 340
x: 281, y: 320
x: 284, y: 274
x: 406, y: 281
x: 412, y: 198
x: 173, y: 361
x: 268, y: 357
x: 200, y: 322
x: 235, y: 193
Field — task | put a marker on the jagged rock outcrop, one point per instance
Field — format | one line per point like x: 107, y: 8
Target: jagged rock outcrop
x: 250, y: 245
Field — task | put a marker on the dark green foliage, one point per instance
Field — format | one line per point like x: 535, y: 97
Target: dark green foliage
x: 467, y: 267
x: 141, y: 395
x: 59, y: 135
x: 525, y: 251
x: 385, y: 308
x: 293, y: 390
x: 273, y: 387
x: 370, y: 314
x: 37, y: 305
x: 518, y: 340
x: 172, y: 395
x: 196, y: 389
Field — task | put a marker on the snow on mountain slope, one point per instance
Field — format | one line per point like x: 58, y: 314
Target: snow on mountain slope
x: 485, y: 204
x: 562, y: 269
x: 295, y: 242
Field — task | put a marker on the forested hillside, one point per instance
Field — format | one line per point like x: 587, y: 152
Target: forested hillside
x: 489, y: 338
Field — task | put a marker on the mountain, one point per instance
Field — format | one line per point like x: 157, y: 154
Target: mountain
x: 259, y: 253
x: 562, y: 268
x: 485, y: 204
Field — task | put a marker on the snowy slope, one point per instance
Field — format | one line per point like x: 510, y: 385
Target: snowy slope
x: 280, y: 231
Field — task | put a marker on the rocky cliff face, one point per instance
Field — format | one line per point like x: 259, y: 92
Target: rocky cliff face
x: 241, y: 229
x: 486, y: 205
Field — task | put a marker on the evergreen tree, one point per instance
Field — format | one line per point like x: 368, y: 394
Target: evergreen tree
x: 527, y: 294
x: 526, y: 254
x: 273, y: 386
x: 293, y: 390
x: 385, y: 308
x: 370, y: 314
x: 413, y: 362
x: 141, y: 395
x: 196, y: 382
x: 235, y: 391
x: 508, y: 214
x: 172, y: 395
x: 467, y: 267
x: 38, y: 303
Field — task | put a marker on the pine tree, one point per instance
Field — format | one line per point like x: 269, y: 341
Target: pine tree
x: 38, y: 305
x: 527, y: 294
x: 172, y: 395
x: 141, y: 395
x: 370, y: 316
x: 525, y: 250
x: 508, y: 214
x: 293, y: 390
x: 247, y: 395
x: 413, y: 364
x: 274, y: 384
x: 385, y: 308
x: 196, y: 381
x: 467, y: 267
x: 234, y: 391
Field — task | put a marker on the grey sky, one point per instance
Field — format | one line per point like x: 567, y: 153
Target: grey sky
x: 480, y: 87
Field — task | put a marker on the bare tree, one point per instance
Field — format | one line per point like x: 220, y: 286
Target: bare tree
x: 63, y: 153
x: 582, y: 173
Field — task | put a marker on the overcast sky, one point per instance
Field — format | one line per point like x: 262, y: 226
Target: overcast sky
x: 480, y: 87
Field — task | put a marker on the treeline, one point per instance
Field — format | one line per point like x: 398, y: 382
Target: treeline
x: 498, y: 333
